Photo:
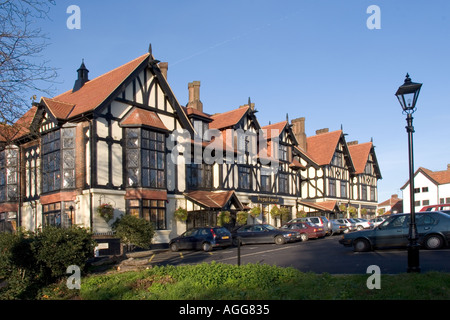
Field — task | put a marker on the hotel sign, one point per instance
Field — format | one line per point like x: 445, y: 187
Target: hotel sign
x: 267, y: 199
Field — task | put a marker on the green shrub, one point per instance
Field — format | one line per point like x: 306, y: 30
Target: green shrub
x: 134, y: 231
x: 17, y: 265
x: 28, y: 261
x: 57, y: 248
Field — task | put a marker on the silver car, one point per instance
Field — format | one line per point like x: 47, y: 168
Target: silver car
x: 362, y: 223
x: 337, y: 228
x: 351, y: 226
x: 378, y: 220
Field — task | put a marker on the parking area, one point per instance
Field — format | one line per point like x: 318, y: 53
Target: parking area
x: 318, y: 255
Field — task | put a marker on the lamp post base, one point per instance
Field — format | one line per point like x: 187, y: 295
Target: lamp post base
x: 413, y: 258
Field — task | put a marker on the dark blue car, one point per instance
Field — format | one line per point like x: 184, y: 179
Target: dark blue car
x: 433, y: 230
x: 205, y: 239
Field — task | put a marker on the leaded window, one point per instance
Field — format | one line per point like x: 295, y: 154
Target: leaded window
x: 59, y: 214
x: 68, y: 154
x: 283, y: 183
x: 51, y: 164
x: 343, y: 189
x: 245, y: 181
x: 199, y: 176
x: 266, y: 182
x: 145, y: 158
x: 332, y: 187
x: 55, y: 147
x: 8, y: 174
x: 283, y: 152
x: 153, y: 211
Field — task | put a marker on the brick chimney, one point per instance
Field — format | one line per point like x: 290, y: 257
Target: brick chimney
x: 320, y: 131
x: 351, y: 143
x: 194, y: 96
x: 448, y: 166
x: 298, y: 128
x: 164, y: 66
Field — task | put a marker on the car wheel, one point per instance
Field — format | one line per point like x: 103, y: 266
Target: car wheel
x: 359, y: 228
x: 361, y: 245
x: 174, y: 247
x: 434, y: 242
x: 236, y: 241
x: 304, y: 237
x: 279, y: 240
x: 206, y: 246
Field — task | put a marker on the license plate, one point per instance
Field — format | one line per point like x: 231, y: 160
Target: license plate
x: 226, y: 237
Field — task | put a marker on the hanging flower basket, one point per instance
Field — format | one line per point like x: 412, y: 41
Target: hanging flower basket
x: 181, y: 214
x: 106, y: 211
x: 242, y: 217
x: 255, y: 211
x: 223, y: 217
x: 275, y: 212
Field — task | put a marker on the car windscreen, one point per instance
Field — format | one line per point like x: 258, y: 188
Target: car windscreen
x: 221, y: 231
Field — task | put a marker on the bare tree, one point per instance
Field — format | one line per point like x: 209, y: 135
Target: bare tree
x: 23, y: 71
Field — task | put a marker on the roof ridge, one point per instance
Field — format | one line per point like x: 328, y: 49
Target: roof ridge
x: 105, y: 74
x: 232, y: 110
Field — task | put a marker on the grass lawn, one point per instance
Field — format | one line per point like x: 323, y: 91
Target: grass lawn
x: 216, y: 281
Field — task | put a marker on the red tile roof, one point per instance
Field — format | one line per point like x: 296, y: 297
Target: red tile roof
x: 321, y: 147
x: 93, y: 92
x: 192, y: 111
x: 360, y: 155
x: 20, y: 128
x: 440, y: 177
x: 274, y: 130
x: 138, y: 116
x: 228, y: 119
x: 329, y: 205
x: 212, y: 199
x: 60, y: 110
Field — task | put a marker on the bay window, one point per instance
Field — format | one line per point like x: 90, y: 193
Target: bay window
x: 145, y: 158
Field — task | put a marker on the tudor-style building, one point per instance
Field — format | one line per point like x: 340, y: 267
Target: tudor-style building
x: 340, y: 174
x: 123, y: 139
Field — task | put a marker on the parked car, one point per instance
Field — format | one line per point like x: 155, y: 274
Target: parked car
x: 436, y: 207
x: 337, y: 228
x: 362, y: 223
x: 204, y: 239
x: 320, y: 221
x: 351, y: 226
x: 433, y: 230
x: 306, y: 230
x: 263, y: 233
x: 378, y: 220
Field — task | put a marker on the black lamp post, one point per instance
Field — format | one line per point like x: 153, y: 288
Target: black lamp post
x: 407, y: 95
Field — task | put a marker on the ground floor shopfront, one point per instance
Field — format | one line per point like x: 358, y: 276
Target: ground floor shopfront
x: 158, y: 206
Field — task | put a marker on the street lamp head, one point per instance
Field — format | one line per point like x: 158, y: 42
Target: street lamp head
x: 407, y: 95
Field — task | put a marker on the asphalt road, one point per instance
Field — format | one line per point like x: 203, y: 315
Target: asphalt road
x: 316, y: 255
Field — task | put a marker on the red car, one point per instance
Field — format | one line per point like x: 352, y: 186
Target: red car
x: 307, y: 230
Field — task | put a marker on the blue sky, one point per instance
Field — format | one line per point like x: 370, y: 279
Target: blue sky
x: 314, y: 59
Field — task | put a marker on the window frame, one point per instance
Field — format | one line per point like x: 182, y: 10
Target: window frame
x: 156, y: 211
